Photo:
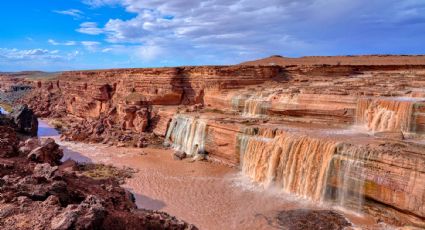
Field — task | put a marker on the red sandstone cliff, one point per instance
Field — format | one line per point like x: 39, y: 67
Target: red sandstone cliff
x: 367, y: 110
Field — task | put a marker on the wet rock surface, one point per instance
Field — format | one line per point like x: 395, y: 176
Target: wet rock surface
x: 179, y: 155
x: 302, y: 219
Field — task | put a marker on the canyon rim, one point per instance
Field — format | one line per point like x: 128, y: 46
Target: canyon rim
x: 342, y: 137
x: 212, y: 114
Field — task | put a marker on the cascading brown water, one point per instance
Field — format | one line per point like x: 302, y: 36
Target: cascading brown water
x: 384, y: 115
x: 315, y: 169
x: 292, y: 162
x: 255, y: 105
x: 250, y: 134
x: 295, y: 163
x: 187, y: 134
x: 346, y: 177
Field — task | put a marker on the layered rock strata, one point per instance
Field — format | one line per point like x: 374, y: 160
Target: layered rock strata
x: 121, y: 104
x: 351, y: 135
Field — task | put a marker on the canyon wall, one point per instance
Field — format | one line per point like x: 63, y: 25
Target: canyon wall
x: 348, y: 135
x: 131, y: 101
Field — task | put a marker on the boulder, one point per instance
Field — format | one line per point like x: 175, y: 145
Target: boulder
x: 45, y: 171
x: 48, y: 152
x: 142, y: 143
x: 312, y: 219
x: 27, y: 146
x: 65, y: 220
x: 87, y: 215
x: 25, y: 120
x: 179, y: 155
x: 8, y: 142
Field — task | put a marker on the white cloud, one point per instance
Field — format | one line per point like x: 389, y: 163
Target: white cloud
x: 91, y: 45
x: 67, y: 43
x: 149, y: 53
x: 98, y: 3
x: 245, y: 29
x: 12, y: 59
x: 107, y: 50
x: 234, y: 28
x: 31, y: 54
x: 144, y: 53
x: 76, y: 14
x: 89, y: 28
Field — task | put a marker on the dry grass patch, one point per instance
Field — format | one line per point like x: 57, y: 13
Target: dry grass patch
x: 57, y: 124
x: 102, y: 172
x: 8, y: 108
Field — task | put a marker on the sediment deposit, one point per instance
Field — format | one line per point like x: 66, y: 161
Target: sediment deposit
x: 351, y: 135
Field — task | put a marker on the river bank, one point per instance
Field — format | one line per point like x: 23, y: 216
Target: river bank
x: 38, y: 191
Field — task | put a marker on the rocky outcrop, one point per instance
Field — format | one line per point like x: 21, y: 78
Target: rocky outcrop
x: 312, y: 219
x: 110, y: 109
x: 37, y: 192
x: 25, y: 120
x: 48, y: 151
x: 8, y: 142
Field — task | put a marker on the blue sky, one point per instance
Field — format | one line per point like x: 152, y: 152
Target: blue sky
x: 56, y: 35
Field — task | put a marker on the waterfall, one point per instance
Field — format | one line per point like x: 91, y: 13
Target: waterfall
x: 346, y: 177
x: 187, y: 134
x: 255, y: 105
x: 248, y: 134
x: 384, y: 115
x: 316, y: 169
x: 296, y: 164
x: 237, y: 101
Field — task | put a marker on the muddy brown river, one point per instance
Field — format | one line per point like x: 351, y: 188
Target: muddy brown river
x: 208, y: 195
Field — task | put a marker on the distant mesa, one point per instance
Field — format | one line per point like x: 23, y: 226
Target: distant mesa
x: 381, y: 59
